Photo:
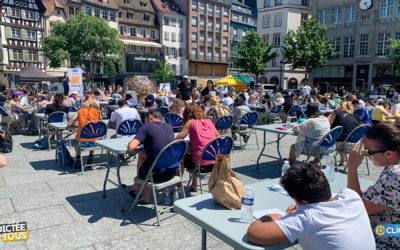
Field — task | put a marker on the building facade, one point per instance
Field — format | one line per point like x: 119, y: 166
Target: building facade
x: 21, y: 28
x: 275, y: 19
x: 207, y: 40
x: 360, y: 34
x: 173, y: 35
x: 243, y: 21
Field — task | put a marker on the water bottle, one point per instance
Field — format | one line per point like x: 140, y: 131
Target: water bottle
x: 180, y: 193
x: 285, y: 167
x: 65, y: 118
x: 288, y: 123
x: 246, y: 211
x: 330, y: 168
x: 167, y: 197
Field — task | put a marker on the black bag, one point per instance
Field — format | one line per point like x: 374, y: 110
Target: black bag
x: 6, y: 143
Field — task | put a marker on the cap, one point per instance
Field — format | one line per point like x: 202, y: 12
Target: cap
x: 185, y: 77
x: 214, y: 100
x: 74, y: 93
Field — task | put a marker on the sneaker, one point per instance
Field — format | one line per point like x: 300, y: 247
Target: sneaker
x: 246, y: 138
x: 89, y: 161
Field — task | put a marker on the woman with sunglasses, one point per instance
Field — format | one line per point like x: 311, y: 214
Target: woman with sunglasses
x: 381, y: 200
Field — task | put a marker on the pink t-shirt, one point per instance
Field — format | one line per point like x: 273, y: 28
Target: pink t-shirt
x: 201, y: 133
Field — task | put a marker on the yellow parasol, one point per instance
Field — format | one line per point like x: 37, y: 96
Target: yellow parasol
x: 237, y: 84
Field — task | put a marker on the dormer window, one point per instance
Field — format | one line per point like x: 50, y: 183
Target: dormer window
x: 142, y: 4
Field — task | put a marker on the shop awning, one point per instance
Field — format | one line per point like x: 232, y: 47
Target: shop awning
x: 246, y: 79
x: 141, y: 43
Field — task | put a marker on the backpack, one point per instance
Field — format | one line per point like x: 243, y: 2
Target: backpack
x: 6, y: 143
x: 41, y: 144
x: 63, y: 155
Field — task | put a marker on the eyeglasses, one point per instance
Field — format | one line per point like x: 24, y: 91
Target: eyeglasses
x: 376, y: 152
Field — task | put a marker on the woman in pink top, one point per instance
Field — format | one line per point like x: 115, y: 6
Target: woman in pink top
x: 201, y: 131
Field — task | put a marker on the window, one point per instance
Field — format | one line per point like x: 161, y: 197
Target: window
x: 180, y: 37
x: 202, y: 23
x: 31, y: 35
x: 210, y: 9
x: 323, y: 17
x: 266, y: 39
x: 16, y: 33
x: 210, y: 39
x: 210, y: 23
x: 266, y: 21
x: 180, y: 23
x: 173, y: 36
x: 146, y: 17
x: 144, y: 33
x: 277, y: 39
x: 336, y: 16
x: 397, y: 36
x: 29, y: 15
x: 217, y: 53
x: 133, y: 31
x: 224, y: 55
x: 235, y: 31
x: 51, y: 25
x: 180, y: 51
x: 235, y: 17
x: 97, y: 13
x: 202, y: 8
x: 122, y: 30
x: 17, y: 54
x: 217, y: 41
x: 225, y: 41
x: 112, y: 16
x: 348, y: 47
x: 209, y: 54
x: 142, y: 4
x: 365, y: 20
x: 105, y: 14
x: 218, y: 25
x: 166, y: 51
x: 194, y: 20
x: 305, y: 2
x: 173, y: 22
x: 363, y: 44
x: 383, y: 44
x: 226, y: 11
x: 202, y: 38
x: 194, y: 36
x: 225, y: 26
x: 129, y: 15
x: 15, y: 12
x: 350, y: 14
x: 385, y: 14
x: 277, y: 19
x: 398, y: 10
x: 218, y: 11
x: 71, y: 11
x: 166, y: 36
x: 304, y: 16
x: 32, y: 56
x: 194, y: 5
x: 336, y: 47
x: 120, y: 14
x: 174, y: 53
x: 278, y: 2
x: 194, y: 52
x: 267, y: 3
x: 89, y: 11
x: 153, y: 34
x: 201, y: 54
x: 166, y: 21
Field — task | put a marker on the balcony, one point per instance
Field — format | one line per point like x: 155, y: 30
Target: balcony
x: 209, y: 58
x: 224, y: 59
x: 200, y: 57
x: 218, y: 14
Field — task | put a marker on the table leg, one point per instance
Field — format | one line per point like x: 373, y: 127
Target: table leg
x: 262, y: 150
x: 108, y: 171
x: 203, y: 239
x: 120, y: 185
x: 277, y: 147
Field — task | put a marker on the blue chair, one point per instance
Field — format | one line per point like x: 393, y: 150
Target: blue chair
x: 4, y: 113
x: 163, y: 110
x: 231, y: 107
x: 42, y: 110
x: 1, y: 104
x: 221, y: 145
x: 169, y: 157
x: 246, y: 126
x: 71, y: 109
x: 358, y: 112
x: 292, y: 113
x: 112, y: 102
x: 93, y: 130
x: 274, y: 113
x: 128, y: 128
x: 54, y: 117
x: 224, y: 124
x: 175, y: 121
x: 369, y: 113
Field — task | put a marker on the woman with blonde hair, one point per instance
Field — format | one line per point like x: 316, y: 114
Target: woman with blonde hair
x: 278, y: 99
x: 343, y: 116
x: 201, y: 131
x: 178, y: 107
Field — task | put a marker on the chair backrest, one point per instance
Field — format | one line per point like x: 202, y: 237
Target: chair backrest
x: 112, y: 102
x: 72, y: 109
x: 224, y: 122
x: 164, y: 111
x: 249, y: 119
x: 171, y: 155
x: 93, y: 130
x: 129, y: 127
x: 57, y: 116
x: 1, y: 104
x: 358, y: 112
x: 357, y: 133
x: 330, y: 138
x: 174, y: 120
x: 276, y: 109
x: 42, y: 110
x: 304, y: 107
x: 231, y: 107
x: 293, y: 110
x: 3, y: 112
x: 220, y: 145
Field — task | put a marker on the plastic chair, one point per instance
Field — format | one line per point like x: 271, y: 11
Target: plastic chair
x: 247, y: 122
x: 220, y: 145
x: 292, y: 113
x: 54, y: 117
x: 354, y: 136
x: 369, y: 113
x: 163, y: 110
x: 231, y: 107
x: 224, y: 124
x: 358, y: 112
x: 175, y: 121
x: 274, y: 112
x: 327, y: 141
x: 129, y: 127
x: 169, y: 157
x: 71, y: 109
x: 93, y: 130
x: 42, y: 110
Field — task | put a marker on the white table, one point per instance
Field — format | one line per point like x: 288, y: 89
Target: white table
x: 272, y: 128
x: 224, y: 223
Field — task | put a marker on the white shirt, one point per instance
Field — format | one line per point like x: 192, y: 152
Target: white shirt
x: 396, y: 109
x: 123, y: 114
x: 305, y: 90
x: 227, y: 101
x: 362, y: 103
x: 339, y: 224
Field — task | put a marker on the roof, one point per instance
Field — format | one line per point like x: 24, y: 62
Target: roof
x: 51, y: 5
x: 167, y: 6
x: 103, y: 3
x: 33, y: 73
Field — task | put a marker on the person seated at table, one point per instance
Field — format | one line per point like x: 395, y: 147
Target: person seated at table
x: 56, y: 106
x: 99, y: 96
x: 289, y: 102
x: 364, y: 117
x: 381, y: 144
x: 123, y: 113
x: 323, y: 103
x: 306, y: 100
x: 90, y: 101
x: 267, y: 103
x: 154, y: 136
x: 227, y: 100
x: 178, y: 107
x: 310, y: 133
x: 380, y: 113
x: 317, y: 220
x: 238, y: 112
x: 71, y: 100
x: 201, y: 131
x: 131, y: 101
x: 252, y: 102
x: 88, y: 112
x: 42, y: 103
x: 217, y: 111
x: 278, y: 99
x: 370, y: 104
x: 343, y: 116
x: 395, y: 109
x: 206, y: 105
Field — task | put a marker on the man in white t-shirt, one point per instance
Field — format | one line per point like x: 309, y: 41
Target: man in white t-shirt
x: 317, y: 221
x: 123, y: 113
x: 227, y: 100
x: 305, y: 90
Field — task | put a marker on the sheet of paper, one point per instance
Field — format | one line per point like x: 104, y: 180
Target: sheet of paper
x: 261, y: 213
x: 278, y: 188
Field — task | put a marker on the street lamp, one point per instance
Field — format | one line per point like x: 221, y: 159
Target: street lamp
x: 306, y: 50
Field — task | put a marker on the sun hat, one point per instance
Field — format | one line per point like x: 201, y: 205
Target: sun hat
x: 214, y: 101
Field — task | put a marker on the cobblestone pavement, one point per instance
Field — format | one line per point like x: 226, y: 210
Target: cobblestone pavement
x: 65, y: 209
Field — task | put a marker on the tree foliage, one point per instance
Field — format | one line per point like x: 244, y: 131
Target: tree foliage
x: 312, y: 36
x: 163, y: 72
x: 394, y: 58
x: 254, y: 54
x: 84, y: 38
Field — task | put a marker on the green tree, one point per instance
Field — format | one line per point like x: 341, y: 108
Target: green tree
x: 254, y: 54
x: 163, y: 72
x: 308, y: 46
x: 84, y: 38
x: 394, y: 58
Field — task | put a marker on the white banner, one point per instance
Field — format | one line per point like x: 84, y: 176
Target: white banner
x: 75, y: 81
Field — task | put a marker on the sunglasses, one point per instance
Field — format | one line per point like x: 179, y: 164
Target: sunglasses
x: 375, y: 152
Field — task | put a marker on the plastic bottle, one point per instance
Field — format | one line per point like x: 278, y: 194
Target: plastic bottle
x: 285, y: 167
x: 180, y: 193
x: 288, y: 125
x: 246, y: 211
x: 167, y: 197
x: 330, y: 168
x: 65, y: 118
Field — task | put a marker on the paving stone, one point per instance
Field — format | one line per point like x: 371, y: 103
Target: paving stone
x: 6, y: 206
x: 21, y: 179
